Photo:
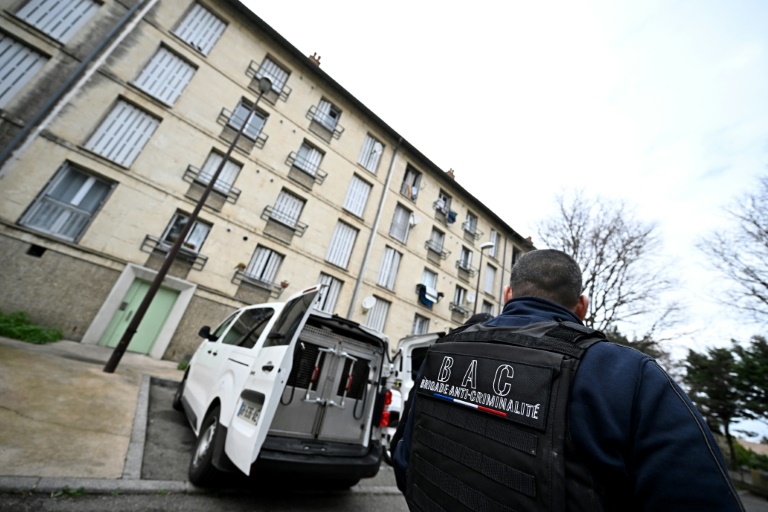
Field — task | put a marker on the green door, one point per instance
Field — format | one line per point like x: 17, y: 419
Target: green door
x: 151, y: 324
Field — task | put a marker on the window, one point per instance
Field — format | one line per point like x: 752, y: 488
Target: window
x: 67, y: 204
x: 420, y: 324
x: 494, y: 239
x: 263, y: 266
x: 327, y: 297
x: 165, y: 76
x: 377, y: 316
x: 465, y: 262
x: 200, y: 28
x: 227, y: 176
x: 487, y: 307
x: 327, y: 115
x: 255, y: 123
x: 443, y: 202
x: 18, y: 63
x: 459, y: 296
x: 400, y: 224
x: 516, y: 253
x: 470, y: 224
x: 275, y: 73
x: 357, y: 196
x: 429, y: 278
x: 411, y: 183
x: 287, y: 208
x: 388, y: 271
x: 342, y: 242
x: 490, y: 278
x: 436, y: 240
x: 195, y: 237
x: 58, y: 19
x: 370, y: 153
x: 123, y: 134
x: 308, y: 158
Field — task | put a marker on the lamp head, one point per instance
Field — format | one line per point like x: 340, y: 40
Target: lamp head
x: 265, y: 84
x: 487, y: 245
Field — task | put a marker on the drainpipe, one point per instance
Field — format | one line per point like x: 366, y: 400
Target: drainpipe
x: 375, y: 228
x: 72, y: 84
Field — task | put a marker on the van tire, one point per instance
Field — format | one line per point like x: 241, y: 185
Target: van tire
x: 177, y: 405
x: 201, y: 469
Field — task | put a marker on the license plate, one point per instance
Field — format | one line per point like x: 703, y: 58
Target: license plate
x: 249, y: 412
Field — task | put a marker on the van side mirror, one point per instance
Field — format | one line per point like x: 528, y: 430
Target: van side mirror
x: 205, y: 332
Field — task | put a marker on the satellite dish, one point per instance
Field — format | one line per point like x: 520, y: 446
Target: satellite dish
x: 368, y: 303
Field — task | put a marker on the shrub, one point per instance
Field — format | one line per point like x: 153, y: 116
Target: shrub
x: 18, y: 326
x: 749, y: 458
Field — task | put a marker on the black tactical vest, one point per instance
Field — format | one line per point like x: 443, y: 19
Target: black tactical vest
x: 490, y: 427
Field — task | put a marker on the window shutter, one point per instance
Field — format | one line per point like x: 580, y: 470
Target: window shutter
x: 370, y: 154
x: 490, y: 277
x: 357, y: 196
x: 377, y: 316
x: 388, y: 271
x: 18, y: 63
x: 287, y: 208
x: 226, y: 177
x: 201, y: 29
x: 340, y: 248
x: 400, y: 226
x: 264, y: 265
x: 123, y: 134
x: 275, y: 73
x: 308, y: 159
x: 165, y: 76
x: 58, y: 19
x: 326, y: 299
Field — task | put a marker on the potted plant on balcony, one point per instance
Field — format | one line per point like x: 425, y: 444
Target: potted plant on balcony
x: 240, y: 266
x: 284, y: 283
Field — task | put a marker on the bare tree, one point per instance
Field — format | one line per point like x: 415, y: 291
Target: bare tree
x: 741, y: 253
x: 624, y: 279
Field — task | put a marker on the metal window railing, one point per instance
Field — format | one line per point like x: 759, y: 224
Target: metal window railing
x: 193, y: 258
x: 192, y: 174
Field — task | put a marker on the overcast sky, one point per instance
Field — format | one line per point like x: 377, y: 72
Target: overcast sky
x: 662, y: 104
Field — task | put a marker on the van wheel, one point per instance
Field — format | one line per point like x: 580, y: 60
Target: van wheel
x: 177, y: 397
x: 201, y: 469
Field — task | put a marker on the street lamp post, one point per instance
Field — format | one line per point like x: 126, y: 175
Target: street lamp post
x: 265, y: 84
x: 486, y: 245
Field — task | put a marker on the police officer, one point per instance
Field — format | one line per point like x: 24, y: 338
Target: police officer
x: 533, y: 411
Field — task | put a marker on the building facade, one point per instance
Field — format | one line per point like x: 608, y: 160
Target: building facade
x: 115, y: 116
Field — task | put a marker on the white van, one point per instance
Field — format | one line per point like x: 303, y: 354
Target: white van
x: 285, y: 387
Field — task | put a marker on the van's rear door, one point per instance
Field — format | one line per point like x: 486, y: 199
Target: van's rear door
x: 258, y: 400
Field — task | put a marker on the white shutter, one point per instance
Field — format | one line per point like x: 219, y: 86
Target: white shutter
x: 357, y: 196
x: 388, y: 271
x: 490, y: 277
x: 324, y: 116
x: 18, y: 64
x: 400, y: 224
x: 59, y: 19
x: 429, y: 279
x: 226, y: 177
x: 340, y: 248
x: 308, y: 159
x: 165, y: 76
x: 123, y: 134
x: 197, y: 235
x: 264, y: 265
x: 495, y: 241
x: 370, y: 153
x: 201, y: 29
x: 277, y: 75
x: 328, y: 296
x: 255, y: 123
x: 377, y: 316
x: 287, y: 208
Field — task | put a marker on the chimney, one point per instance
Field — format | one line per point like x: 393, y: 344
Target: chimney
x: 451, y: 174
x: 315, y: 58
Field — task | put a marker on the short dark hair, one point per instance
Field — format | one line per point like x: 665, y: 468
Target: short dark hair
x: 549, y: 274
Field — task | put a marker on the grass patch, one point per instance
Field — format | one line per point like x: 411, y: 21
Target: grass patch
x: 18, y: 326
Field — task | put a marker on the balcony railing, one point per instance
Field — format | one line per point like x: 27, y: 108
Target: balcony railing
x: 445, y: 210
x: 325, y: 121
x: 472, y: 229
x: 437, y: 248
x: 194, y: 259
x: 289, y: 222
x: 248, y: 139
x: 274, y: 289
x: 459, y: 308
x: 303, y: 165
x: 253, y: 73
x: 463, y: 266
x: 192, y: 174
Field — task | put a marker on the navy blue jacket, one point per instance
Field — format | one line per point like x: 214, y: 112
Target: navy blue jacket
x: 644, y: 441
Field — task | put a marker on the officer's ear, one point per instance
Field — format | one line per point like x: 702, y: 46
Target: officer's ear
x: 581, y: 307
x: 507, y: 292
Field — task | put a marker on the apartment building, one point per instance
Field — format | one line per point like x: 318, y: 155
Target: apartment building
x: 114, y: 117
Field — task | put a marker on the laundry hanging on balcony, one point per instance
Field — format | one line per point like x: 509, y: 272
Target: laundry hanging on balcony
x: 428, y: 296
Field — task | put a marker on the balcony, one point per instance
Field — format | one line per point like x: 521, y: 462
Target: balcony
x: 272, y: 95
x: 459, y: 309
x: 323, y: 125
x: 443, y: 212
x: 229, y: 193
x: 246, y: 142
x: 471, y: 232
x: 281, y: 226
x: 303, y: 172
x: 465, y: 269
x: 255, y: 284
x: 186, y: 255
x: 437, y: 248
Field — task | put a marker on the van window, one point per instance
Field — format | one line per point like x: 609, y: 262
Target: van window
x: 290, y: 318
x: 223, y: 326
x: 248, y: 327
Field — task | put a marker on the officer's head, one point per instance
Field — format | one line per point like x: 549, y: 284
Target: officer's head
x: 548, y: 274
